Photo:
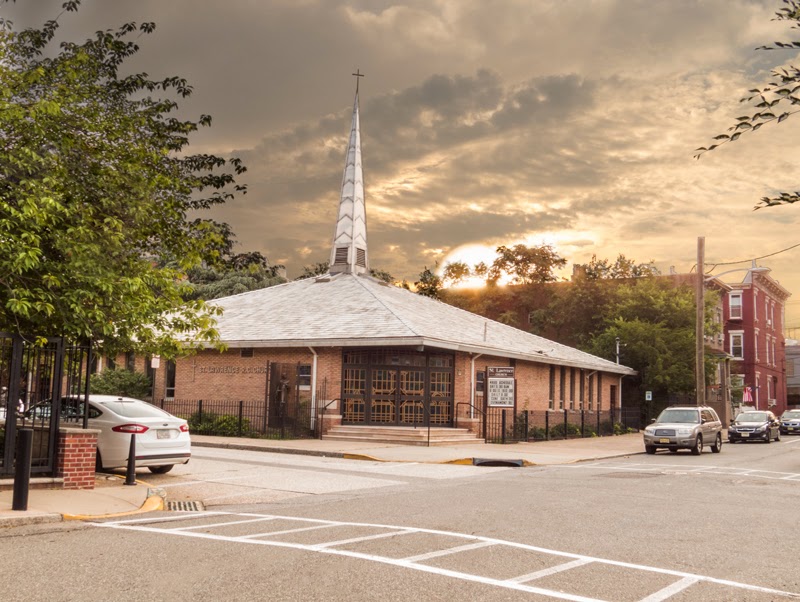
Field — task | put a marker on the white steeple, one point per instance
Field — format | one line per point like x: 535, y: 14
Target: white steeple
x: 349, y: 249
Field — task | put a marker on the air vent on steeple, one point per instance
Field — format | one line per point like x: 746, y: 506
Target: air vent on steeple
x: 341, y: 256
x: 361, y: 258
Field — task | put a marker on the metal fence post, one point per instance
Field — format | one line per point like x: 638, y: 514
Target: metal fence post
x: 130, y: 473
x: 566, y: 423
x: 503, y: 426
x: 547, y: 425
x: 241, y: 407
x: 583, y: 424
x: 527, y: 430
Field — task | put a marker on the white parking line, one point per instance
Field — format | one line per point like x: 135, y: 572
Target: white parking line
x: 670, y: 590
x: 551, y: 571
x: 685, y: 580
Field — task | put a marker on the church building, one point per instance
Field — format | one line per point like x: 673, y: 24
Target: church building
x: 371, y: 353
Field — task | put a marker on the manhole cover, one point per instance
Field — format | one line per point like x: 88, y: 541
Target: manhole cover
x: 495, y: 462
x: 185, y: 506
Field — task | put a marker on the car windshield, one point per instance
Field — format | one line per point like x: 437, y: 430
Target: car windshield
x: 679, y: 416
x: 792, y: 415
x: 133, y: 409
x: 752, y: 417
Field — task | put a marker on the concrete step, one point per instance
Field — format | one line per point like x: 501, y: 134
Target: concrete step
x: 402, y: 435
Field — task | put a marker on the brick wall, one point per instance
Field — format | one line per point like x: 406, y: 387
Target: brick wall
x: 75, y: 461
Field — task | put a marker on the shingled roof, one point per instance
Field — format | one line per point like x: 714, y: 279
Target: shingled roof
x: 348, y: 310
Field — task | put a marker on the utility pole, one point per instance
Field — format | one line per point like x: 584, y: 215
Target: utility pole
x: 700, y: 371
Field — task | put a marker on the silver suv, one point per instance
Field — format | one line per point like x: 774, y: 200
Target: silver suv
x: 684, y: 427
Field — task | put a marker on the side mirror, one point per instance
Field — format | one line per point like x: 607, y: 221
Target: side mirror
x: 652, y: 420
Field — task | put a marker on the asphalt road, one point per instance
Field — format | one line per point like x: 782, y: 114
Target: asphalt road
x: 282, y: 527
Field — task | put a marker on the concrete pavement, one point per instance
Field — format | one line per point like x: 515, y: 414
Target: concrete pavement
x: 112, y: 497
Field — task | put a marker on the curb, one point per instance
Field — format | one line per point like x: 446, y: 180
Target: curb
x: 153, y: 503
x: 30, y: 519
x: 275, y: 450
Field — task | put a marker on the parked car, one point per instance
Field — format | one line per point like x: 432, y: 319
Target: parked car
x: 790, y: 422
x: 684, y: 427
x: 755, y: 425
x: 162, y: 440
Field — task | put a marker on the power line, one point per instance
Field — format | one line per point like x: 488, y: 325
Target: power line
x: 754, y: 258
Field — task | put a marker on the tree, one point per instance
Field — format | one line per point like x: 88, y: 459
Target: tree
x: 429, y: 284
x: 526, y: 265
x: 232, y: 273
x: 656, y: 322
x: 321, y: 268
x: 603, y: 269
x: 126, y: 383
x: 95, y: 189
x: 784, y: 87
x: 455, y: 272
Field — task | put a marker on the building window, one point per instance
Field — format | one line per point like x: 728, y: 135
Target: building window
x: 755, y: 307
x: 480, y: 382
x: 735, y: 306
x: 110, y: 363
x: 169, y: 388
x: 769, y: 389
x: 737, y: 345
x: 130, y: 361
x: 562, y: 382
x: 551, y: 405
x: 755, y: 345
x: 774, y: 358
x: 582, y: 388
x: 772, y: 315
x: 304, y: 377
x: 591, y: 392
x: 246, y: 352
x: 572, y: 388
x: 758, y: 387
x: 599, y: 392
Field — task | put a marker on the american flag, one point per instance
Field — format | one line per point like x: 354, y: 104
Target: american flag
x: 747, y: 395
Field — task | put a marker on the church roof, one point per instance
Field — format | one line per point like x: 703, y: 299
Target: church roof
x: 348, y: 310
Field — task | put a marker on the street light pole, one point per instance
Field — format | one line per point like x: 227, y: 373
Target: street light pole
x: 617, y: 339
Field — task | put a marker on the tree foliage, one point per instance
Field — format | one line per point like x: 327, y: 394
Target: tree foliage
x: 775, y: 102
x: 429, y: 284
x: 232, y: 273
x: 622, y: 267
x: 125, y: 383
x: 95, y: 188
x: 526, y: 265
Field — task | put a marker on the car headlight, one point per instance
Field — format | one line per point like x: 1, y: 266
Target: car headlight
x: 732, y: 429
x: 649, y: 430
x: 761, y: 428
x: 684, y: 431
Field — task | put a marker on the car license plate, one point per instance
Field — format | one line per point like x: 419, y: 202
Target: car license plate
x: 663, y: 440
x: 164, y: 434
x: 744, y: 434
x: 791, y: 428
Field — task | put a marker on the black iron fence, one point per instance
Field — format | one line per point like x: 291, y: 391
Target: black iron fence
x: 510, y: 426
x: 243, y: 418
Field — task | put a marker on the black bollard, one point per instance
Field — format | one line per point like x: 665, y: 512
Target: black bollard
x: 130, y: 475
x: 22, y: 473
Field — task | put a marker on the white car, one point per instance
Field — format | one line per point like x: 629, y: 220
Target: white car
x: 162, y: 440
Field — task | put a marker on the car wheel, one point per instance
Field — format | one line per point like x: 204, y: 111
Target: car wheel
x: 98, y: 462
x: 717, y: 447
x: 673, y: 450
x: 160, y: 469
x: 767, y: 438
x: 778, y: 436
x: 698, y: 446
x: 650, y: 449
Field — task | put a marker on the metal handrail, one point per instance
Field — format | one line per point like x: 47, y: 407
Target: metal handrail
x: 322, y: 414
x: 427, y: 411
x: 474, y: 407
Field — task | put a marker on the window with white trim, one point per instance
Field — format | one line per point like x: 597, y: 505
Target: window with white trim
x: 737, y: 344
x: 735, y: 306
x: 769, y: 388
x: 766, y: 349
x: 755, y: 307
x: 774, y: 358
x: 755, y: 344
x: 758, y: 386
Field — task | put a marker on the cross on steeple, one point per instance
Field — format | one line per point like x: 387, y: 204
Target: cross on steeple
x: 358, y: 74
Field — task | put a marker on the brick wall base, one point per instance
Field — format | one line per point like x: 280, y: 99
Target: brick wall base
x: 75, y: 459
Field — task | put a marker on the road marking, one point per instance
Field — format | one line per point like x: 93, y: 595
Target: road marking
x: 342, y: 542
x: 448, y: 551
x: 233, y: 522
x: 670, y: 590
x: 677, y: 469
x: 684, y: 580
x: 551, y: 571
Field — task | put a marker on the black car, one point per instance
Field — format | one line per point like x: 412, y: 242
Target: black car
x: 755, y: 425
x: 790, y: 422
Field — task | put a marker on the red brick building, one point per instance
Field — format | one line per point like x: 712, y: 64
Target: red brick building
x: 754, y: 319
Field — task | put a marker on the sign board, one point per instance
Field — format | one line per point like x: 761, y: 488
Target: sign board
x: 500, y: 387
x: 155, y: 361
x: 648, y: 396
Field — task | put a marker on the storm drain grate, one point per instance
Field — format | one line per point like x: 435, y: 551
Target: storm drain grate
x: 185, y: 506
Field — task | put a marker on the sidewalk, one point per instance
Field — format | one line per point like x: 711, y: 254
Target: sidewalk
x: 111, y: 496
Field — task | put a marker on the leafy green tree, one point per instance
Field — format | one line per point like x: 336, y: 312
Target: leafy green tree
x: 656, y: 323
x: 769, y: 103
x: 125, y: 383
x: 95, y: 187
x: 455, y: 272
x: 622, y: 267
x: 526, y: 265
x: 429, y: 284
x: 315, y: 269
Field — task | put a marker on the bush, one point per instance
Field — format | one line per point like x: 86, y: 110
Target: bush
x: 226, y: 425
x: 121, y: 382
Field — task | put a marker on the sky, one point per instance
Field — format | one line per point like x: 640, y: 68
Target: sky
x: 484, y: 123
